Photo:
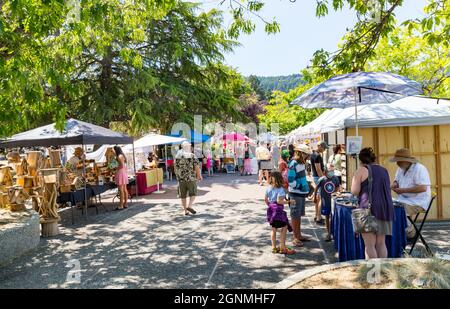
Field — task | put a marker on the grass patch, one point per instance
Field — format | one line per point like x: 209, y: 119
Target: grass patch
x: 428, y: 274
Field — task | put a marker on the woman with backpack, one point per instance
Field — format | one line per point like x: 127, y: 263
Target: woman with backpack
x: 298, y: 190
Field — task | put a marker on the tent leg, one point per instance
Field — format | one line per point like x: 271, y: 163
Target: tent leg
x: 135, y: 174
x: 167, y: 169
x: 85, y: 178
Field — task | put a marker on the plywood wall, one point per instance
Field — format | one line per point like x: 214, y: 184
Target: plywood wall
x: 430, y: 144
x: 444, y: 143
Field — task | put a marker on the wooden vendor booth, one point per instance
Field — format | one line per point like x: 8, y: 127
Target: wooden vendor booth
x: 47, y: 180
x: 418, y: 123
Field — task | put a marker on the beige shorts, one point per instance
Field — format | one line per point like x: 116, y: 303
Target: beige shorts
x: 412, y: 210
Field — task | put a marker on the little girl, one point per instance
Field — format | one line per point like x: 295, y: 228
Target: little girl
x: 275, y: 199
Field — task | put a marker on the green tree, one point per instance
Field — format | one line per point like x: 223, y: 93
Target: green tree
x: 410, y: 54
x: 142, y: 63
x: 287, y: 116
x: 255, y: 84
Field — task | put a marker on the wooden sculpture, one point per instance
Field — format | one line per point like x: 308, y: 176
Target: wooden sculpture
x: 13, y: 157
x: 55, y: 158
x: 34, y: 159
x: 16, y: 198
x: 21, y: 168
x: 4, y: 200
x: 46, y: 203
x: 6, y: 178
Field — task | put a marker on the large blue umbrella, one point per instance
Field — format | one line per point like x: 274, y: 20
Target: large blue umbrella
x: 360, y: 88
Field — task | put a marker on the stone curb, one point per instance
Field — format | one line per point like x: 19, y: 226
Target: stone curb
x: 19, y: 239
x: 302, y: 275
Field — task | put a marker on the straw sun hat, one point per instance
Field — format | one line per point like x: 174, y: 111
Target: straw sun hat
x: 403, y: 155
x: 303, y: 148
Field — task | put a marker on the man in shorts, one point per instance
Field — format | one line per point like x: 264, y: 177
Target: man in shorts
x: 187, y: 170
x: 317, y: 168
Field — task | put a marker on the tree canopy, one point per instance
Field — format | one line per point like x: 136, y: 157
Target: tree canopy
x: 143, y: 63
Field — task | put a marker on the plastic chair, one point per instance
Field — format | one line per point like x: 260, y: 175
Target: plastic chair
x: 419, y: 230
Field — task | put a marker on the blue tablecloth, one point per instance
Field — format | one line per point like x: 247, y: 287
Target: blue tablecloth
x: 351, y: 247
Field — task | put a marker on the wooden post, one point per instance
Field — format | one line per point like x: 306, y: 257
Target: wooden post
x: 437, y: 150
x: 376, y: 144
x: 407, y: 138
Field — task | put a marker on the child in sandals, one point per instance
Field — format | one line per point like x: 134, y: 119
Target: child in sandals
x: 275, y: 199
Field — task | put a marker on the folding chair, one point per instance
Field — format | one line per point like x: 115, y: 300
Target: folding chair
x: 419, y: 230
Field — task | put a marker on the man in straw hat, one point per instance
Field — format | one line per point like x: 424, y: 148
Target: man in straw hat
x: 412, y: 184
x: 76, y: 161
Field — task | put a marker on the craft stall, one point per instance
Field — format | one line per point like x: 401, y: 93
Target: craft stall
x: 42, y: 178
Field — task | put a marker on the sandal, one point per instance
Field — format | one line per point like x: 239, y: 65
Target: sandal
x: 288, y: 251
x: 118, y: 208
x: 328, y: 238
x: 276, y: 250
x: 191, y: 210
x: 298, y: 243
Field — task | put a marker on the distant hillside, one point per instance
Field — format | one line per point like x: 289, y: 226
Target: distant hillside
x: 282, y: 83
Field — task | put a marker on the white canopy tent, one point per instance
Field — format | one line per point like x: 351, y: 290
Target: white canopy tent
x: 409, y: 111
x: 145, y: 144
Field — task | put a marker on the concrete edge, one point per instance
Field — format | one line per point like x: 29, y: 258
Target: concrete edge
x: 302, y: 275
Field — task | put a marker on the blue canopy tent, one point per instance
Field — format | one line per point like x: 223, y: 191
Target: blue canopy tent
x: 193, y: 136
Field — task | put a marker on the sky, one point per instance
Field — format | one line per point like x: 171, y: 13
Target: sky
x: 302, y: 33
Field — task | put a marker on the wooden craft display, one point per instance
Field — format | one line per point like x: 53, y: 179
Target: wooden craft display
x: 55, y: 158
x: 34, y: 159
x: 6, y: 178
x: 21, y: 168
x: 13, y: 157
x: 3, y: 200
x: 16, y: 198
x: 50, y: 175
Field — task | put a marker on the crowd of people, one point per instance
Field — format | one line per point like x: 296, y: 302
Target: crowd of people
x: 302, y: 174
x: 297, y: 173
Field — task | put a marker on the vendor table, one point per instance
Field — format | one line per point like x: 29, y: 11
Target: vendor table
x: 147, y: 181
x: 351, y: 246
x: 78, y: 197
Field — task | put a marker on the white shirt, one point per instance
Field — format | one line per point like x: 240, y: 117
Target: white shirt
x: 417, y: 175
x: 262, y: 153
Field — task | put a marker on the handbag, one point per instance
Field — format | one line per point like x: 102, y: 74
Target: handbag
x: 363, y: 220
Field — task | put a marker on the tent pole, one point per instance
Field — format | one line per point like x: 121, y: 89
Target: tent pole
x: 167, y: 169
x: 135, y: 174
x: 85, y: 183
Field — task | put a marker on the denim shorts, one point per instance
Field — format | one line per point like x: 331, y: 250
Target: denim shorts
x: 297, y: 210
